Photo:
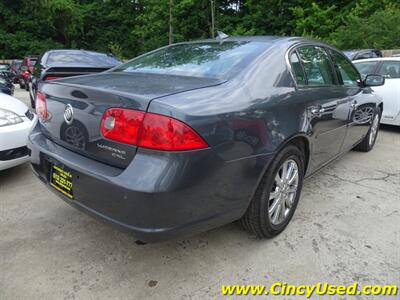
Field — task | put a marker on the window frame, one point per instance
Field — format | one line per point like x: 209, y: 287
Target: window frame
x: 294, y: 49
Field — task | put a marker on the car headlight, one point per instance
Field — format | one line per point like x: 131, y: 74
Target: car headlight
x: 9, y: 118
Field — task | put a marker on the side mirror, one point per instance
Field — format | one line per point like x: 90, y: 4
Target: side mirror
x: 374, y: 80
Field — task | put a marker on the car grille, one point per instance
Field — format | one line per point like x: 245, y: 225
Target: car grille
x: 13, y: 153
x: 30, y: 115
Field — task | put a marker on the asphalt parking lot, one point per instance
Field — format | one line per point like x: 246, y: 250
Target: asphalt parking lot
x: 345, y: 230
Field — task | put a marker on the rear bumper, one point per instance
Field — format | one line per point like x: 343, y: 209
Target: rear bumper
x: 159, y: 195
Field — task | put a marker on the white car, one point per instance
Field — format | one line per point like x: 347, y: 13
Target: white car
x: 16, y: 122
x: 389, y: 67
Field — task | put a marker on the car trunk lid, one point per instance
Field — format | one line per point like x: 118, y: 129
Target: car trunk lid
x: 90, y: 96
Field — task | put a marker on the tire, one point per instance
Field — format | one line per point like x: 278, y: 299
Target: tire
x: 26, y: 86
x: 32, y: 101
x: 21, y: 85
x: 368, y: 142
x: 258, y: 219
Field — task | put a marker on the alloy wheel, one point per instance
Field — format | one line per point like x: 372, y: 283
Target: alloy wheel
x: 283, y: 192
x: 374, y: 130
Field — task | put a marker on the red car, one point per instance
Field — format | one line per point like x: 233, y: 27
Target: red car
x: 26, y: 69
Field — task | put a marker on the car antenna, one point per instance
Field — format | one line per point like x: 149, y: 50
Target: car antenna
x: 221, y: 35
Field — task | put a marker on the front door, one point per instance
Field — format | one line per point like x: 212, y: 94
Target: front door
x: 327, y: 103
x: 390, y: 91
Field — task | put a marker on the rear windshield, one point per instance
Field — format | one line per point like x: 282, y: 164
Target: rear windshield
x: 83, y: 58
x: 208, y: 59
x: 32, y: 62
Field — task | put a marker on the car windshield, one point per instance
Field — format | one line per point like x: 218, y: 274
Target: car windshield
x: 32, y: 62
x: 208, y: 59
x: 4, y: 67
x: 349, y: 54
x: 366, y: 68
x: 82, y: 58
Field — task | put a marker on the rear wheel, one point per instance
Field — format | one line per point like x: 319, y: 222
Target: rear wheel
x: 276, y: 198
x: 21, y: 84
x: 368, y: 141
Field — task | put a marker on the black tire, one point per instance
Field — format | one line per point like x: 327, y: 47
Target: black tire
x: 26, y: 87
x: 257, y: 219
x: 21, y: 85
x: 366, y: 144
x: 32, y: 101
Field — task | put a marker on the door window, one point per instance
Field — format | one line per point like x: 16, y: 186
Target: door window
x: 348, y: 73
x: 297, y: 69
x: 317, y: 66
x: 390, y: 69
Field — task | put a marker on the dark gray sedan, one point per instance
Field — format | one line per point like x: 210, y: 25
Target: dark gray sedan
x: 196, y: 135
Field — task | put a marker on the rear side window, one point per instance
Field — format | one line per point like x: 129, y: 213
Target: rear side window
x: 346, y: 69
x: 367, y: 67
x: 297, y: 69
x: 317, y: 66
x: 390, y: 69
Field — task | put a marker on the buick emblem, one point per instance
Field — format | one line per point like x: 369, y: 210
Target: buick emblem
x: 68, y: 114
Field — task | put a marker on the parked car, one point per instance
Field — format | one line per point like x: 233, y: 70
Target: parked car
x: 15, y: 123
x: 196, y: 135
x: 55, y: 64
x: 362, y: 54
x: 6, y: 85
x: 5, y: 69
x: 26, y: 69
x: 14, y: 70
x: 389, y: 67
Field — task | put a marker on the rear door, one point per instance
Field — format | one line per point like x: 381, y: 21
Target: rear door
x: 327, y: 103
x: 390, y: 91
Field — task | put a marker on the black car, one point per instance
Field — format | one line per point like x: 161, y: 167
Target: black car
x: 362, y: 54
x: 196, y: 135
x: 6, y: 85
x: 56, y: 64
x: 5, y: 69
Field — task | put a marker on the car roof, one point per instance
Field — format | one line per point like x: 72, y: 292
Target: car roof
x: 76, y: 50
x: 377, y: 59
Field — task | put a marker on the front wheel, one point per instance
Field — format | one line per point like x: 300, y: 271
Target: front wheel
x: 276, y: 198
x: 369, y: 140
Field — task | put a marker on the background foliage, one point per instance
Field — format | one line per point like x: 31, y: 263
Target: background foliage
x: 130, y: 27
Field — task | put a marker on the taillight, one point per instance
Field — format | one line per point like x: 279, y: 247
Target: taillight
x: 51, y: 78
x: 41, y: 106
x: 149, y: 130
x: 122, y: 125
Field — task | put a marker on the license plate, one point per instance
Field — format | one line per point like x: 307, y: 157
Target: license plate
x: 61, y: 180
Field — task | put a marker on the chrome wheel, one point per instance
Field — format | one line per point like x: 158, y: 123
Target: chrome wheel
x: 283, y: 192
x: 374, y: 130
x: 364, y: 115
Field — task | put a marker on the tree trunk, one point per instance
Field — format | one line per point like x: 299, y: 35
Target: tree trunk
x: 212, y: 3
x: 171, y: 29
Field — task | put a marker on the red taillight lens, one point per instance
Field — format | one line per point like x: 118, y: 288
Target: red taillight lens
x: 41, y: 105
x: 122, y: 125
x: 165, y: 133
x: 51, y: 78
x: 149, y: 130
